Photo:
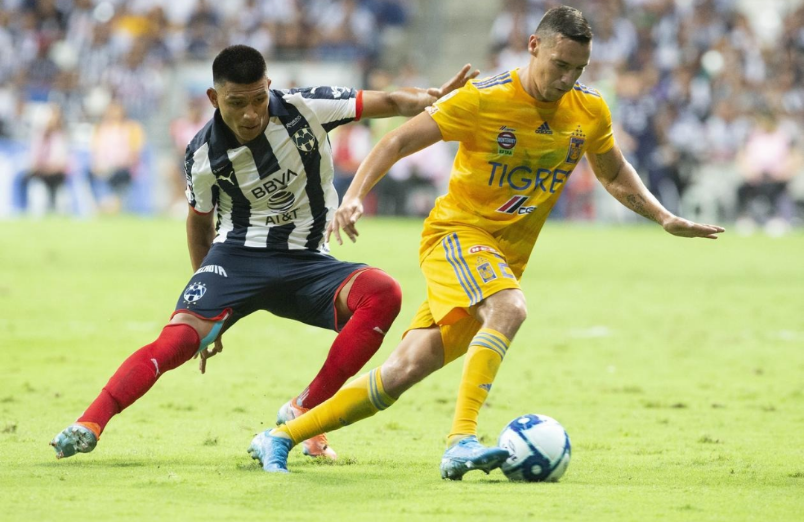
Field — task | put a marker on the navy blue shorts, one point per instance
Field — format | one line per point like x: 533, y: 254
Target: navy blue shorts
x: 297, y: 284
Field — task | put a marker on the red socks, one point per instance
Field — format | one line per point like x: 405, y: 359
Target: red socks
x: 175, y: 345
x: 375, y: 299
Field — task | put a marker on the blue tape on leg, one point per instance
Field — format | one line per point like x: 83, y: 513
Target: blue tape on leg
x: 211, y: 336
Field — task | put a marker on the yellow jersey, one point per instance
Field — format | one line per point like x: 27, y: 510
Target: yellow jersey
x: 515, y: 156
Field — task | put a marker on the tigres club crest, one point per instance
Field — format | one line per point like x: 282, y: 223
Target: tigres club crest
x: 575, y: 151
x: 485, y: 270
x: 305, y: 140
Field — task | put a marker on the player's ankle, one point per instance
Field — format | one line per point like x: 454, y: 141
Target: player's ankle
x: 456, y: 438
x: 92, y: 426
x: 279, y: 432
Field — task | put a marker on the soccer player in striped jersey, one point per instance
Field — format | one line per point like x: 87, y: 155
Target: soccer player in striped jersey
x: 263, y: 167
x: 520, y: 135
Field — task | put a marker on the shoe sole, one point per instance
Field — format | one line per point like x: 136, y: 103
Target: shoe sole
x: 486, y: 463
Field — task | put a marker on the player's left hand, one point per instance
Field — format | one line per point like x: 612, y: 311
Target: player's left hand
x: 206, y: 353
x: 685, y: 228
x: 456, y: 82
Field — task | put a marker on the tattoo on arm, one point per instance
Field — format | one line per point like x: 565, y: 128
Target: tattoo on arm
x: 637, y: 202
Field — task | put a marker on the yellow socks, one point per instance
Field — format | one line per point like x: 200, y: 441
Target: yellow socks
x: 357, y: 400
x: 483, y: 358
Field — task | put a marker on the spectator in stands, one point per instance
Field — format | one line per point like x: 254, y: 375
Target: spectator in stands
x: 767, y: 162
x: 182, y: 131
x: 116, y: 149
x: 50, y: 158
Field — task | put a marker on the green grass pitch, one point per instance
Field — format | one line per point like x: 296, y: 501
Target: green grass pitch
x: 677, y: 367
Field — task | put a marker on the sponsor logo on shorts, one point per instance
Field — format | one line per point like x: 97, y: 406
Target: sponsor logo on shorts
x: 194, y: 292
x: 481, y: 248
x: 215, y: 269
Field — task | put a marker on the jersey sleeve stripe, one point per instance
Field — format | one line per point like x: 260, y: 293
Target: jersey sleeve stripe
x: 359, y: 105
x: 486, y: 86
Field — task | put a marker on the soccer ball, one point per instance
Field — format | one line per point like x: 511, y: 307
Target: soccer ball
x: 539, y: 447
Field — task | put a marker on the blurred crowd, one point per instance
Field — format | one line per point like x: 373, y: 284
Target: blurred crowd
x: 707, y: 98
x: 706, y: 95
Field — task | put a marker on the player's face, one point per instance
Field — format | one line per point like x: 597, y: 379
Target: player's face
x: 243, y: 106
x: 556, y: 65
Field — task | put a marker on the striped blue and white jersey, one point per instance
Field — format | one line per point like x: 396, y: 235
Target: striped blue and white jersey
x: 276, y: 191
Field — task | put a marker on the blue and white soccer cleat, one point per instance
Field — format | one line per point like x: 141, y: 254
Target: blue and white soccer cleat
x: 468, y: 454
x: 74, y: 439
x: 271, y: 451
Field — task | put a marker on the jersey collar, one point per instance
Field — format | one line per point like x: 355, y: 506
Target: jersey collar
x: 275, y: 105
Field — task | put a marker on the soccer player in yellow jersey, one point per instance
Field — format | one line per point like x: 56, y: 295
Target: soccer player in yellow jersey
x: 521, y: 134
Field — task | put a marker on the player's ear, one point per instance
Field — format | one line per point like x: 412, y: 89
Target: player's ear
x: 267, y: 83
x: 212, y: 94
x: 533, y: 44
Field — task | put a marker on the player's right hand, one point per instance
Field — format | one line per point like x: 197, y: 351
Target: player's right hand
x: 206, y: 353
x: 345, y: 217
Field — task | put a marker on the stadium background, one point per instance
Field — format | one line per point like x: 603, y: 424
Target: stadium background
x: 675, y: 365
x: 706, y: 94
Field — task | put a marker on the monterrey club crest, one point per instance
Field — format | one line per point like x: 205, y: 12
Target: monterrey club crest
x: 305, y: 140
x: 194, y: 292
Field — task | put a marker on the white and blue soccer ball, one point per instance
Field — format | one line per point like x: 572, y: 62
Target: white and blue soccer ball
x: 539, y: 447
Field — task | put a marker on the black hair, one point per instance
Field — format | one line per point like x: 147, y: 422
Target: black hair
x: 566, y: 21
x: 238, y: 64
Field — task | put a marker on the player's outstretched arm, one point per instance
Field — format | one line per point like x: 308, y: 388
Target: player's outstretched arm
x: 622, y: 181
x: 416, y: 134
x: 410, y: 101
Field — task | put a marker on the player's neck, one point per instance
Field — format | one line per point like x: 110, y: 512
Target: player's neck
x: 529, y: 86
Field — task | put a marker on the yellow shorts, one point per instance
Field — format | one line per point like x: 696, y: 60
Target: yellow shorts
x: 466, y: 266
x: 455, y: 337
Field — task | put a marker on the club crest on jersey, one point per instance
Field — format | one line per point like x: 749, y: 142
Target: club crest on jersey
x: 305, y: 140
x: 575, y: 151
x: 506, y: 140
x: 485, y: 270
x: 194, y: 292
x: 281, y: 201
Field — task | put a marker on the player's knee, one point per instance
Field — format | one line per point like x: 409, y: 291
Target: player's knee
x: 202, y: 327
x: 507, y: 309
x: 379, y: 291
x: 516, y: 311
x: 405, y: 370
x: 176, y: 345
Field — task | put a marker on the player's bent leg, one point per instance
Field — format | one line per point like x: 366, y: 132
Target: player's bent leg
x: 501, y: 314
x: 419, y: 354
x: 370, y: 300
x: 176, y: 344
